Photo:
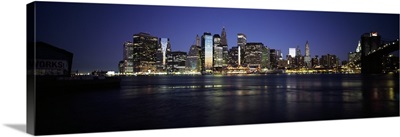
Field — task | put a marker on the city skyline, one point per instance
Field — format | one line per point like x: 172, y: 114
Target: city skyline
x: 96, y: 36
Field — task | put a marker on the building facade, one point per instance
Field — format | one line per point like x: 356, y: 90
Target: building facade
x: 127, y: 61
x: 241, y: 42
x: 253, y: 54
x: 176, y: 61
x: 307, y: 57
x: 145, y: 49
x: 164, y: 48
x: 207, y: 53
x: 218, y: 53
x: 224, y: 45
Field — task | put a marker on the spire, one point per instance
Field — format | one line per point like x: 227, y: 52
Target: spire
x: 223, y: 36
x: 197, y: 40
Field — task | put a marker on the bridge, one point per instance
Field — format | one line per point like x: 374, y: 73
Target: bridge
x: 371, y: 62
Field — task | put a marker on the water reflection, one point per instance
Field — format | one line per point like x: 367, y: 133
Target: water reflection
x: 246, y: 99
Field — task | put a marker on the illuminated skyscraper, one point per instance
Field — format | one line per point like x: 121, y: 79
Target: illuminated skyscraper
x: 192, y: 61
x: 176, y: 61
x: 233, y: 56
x: 145, y: 49
x: 126, y: 65
x: 292, y: 52
x: 273, y: 58
x: 218, y: 53
x: 164, y: 48
x: 298, y: 51
x: 307, y: 58
x: 241, y: 42
x: 224, y: 45
x: 207, y: 53
x: 253, y: 54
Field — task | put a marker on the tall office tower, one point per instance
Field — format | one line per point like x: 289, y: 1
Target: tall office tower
x: 164, y: 48
x: 265, y: 58
x: 233, y: 56
x: 279, y: 54
x: 217, y: 55
x: 274, y: 58
x: 253, y: 54
x: 292, y: 52
x: 298, y: 51
x: 241, y: 42
x: 224, y: 44
x: 307, y: 58
x: 207, y: 53
x: 370, y: 42
x: 144, y: 52
x: 192, y: 61
x: 126, y: 66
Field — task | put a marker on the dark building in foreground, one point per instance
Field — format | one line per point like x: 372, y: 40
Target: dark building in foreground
x: 49, y: 60
x: 370, y: 42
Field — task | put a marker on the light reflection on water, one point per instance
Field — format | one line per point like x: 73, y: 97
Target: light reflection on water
x: 249, y: 99
x: 347, y: 88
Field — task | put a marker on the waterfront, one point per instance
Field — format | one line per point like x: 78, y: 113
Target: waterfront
x: 153, y: 102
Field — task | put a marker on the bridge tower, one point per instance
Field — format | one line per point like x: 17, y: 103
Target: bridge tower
x: 370, y: 64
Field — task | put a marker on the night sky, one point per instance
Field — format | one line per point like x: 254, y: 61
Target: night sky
x: 95, y: 33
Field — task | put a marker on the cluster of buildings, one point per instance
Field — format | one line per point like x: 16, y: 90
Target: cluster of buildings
x: 380, y: 63
x: 210, y: 55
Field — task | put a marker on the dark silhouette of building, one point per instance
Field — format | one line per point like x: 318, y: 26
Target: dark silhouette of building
x: 370, y: 42
x: 48, y: 60
x: 329, y: 61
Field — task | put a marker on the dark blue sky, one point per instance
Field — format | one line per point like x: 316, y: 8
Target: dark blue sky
x: 95, y: 33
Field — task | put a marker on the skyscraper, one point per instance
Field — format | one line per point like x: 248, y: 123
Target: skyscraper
x: 192, y: 61
x: 177, y: 61
x: 292, y: 52
x: 273, y: 58
x: 298, y: 51
x: 241, y: 42
x: 207, y: 53
x: 253, y: 54
x: 145, y: 49
x: 164, y: 48
x: 307, y: 58
x: 233, y: 56
x: 224, y: 44
x: 126, y: 66
x: 218, y: 53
